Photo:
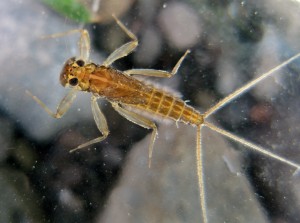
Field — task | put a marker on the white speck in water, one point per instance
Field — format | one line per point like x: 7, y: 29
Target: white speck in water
x: 165, y: 5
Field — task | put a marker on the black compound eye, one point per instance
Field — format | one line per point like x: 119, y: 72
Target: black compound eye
x: 73, y: 81
x: 80, y: 63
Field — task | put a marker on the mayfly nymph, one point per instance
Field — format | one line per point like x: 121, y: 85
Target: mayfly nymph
x: 127, y: 94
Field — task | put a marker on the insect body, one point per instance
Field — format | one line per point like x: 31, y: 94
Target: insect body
x: 117, y: 87
x: 127, y: 94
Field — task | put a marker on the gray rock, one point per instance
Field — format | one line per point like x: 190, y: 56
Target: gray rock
x: 31, y: 63
x: 168, y: 191
x: 17, y: 201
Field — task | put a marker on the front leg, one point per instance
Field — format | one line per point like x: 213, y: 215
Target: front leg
x: 141, y: 121
x: 84, y: 41
x: 63, y: 106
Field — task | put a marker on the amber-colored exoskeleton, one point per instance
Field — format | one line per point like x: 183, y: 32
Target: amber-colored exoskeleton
x: 129, y: 95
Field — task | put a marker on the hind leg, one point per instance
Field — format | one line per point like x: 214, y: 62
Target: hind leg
x: 158, y: 73
x: 141, y: 121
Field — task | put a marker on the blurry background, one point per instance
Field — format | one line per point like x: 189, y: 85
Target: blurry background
x: 231, y: 41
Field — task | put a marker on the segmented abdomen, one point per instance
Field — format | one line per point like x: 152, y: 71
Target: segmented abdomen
x: 115, y: 86
x: 169, y: 106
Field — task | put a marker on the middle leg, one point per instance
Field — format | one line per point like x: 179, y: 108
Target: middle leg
x: 100, y: 122
x: 123, y: 50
